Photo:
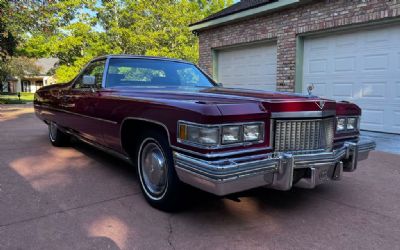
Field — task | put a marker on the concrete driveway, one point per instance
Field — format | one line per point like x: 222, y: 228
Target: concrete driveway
x: 81, y: 198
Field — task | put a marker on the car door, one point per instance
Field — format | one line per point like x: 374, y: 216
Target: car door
x: 81, y: 103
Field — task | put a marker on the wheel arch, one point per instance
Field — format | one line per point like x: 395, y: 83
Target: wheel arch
x: 131, y: 124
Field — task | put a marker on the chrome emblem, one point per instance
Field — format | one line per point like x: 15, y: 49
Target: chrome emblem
x: 310, y: 88
x: 320, y: 104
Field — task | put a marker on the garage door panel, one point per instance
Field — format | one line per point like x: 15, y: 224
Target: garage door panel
x: 248, y: 67
x: 376, y: 62
x: 345, y: 64
x: 376, y: 38
x: 374, y: 91
x: 360, y: 66
x: 319, y: 47
x: 343, y: 91
x: 398, y: 60
x: 344, y: 44
x: 373, y: 117
x: 270, y: 69
x: 397, y: 91
x: 397, y: 119
x: 320, y: 89
x: 318, y: 66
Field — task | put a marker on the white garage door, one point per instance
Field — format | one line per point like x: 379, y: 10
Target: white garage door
x: 363, y: 67
x: 252, y: 67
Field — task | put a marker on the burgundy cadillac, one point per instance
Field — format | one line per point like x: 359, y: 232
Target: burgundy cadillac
x: 178, y: 126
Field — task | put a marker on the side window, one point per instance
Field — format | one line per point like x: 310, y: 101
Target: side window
x: 95, y: 69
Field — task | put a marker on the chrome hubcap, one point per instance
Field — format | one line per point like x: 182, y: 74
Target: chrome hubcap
x: 154, y: 169
x: 53, y: 131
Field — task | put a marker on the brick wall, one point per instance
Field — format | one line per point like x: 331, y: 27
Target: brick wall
x: 285, y: 25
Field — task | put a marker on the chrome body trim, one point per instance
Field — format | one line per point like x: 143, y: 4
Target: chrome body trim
x: 271, y: 132
x: 304, y: 114
x: 73, y: 113
x: 70, y: 105
x: 98, y: 146
x: 221, y: 154
x: 321, y: 175
x: 354, y: 136
x: 273, y: 170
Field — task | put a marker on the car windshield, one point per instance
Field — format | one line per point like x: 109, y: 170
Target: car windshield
x: 155, y: 73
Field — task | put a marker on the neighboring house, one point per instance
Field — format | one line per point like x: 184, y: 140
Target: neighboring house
x: 31, y: 83
x: 349, y: 50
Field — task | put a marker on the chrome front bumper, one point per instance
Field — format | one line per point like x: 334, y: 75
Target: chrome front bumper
x: 274, y: 170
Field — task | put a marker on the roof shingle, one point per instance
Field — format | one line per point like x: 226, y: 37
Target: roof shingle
x: 235, y: 8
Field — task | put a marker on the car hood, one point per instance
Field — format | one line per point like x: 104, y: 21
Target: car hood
x: 232, y: 101
x: 260, y: 95
x: 217, y: 95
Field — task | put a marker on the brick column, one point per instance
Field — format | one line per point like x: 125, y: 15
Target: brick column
x: 205, y: 60
x: 286, y: 60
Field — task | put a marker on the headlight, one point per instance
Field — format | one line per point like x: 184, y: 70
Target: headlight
x: 341, y: 124
x: 230, y: 134
x: 347, y: 124
x: 351, y: 123
x: 199, y: 135
x: 252, y: 132
x: 220, y: 135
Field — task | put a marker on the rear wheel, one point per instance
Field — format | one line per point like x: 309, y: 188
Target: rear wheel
x: 56, y: 136
x: 158, y: 180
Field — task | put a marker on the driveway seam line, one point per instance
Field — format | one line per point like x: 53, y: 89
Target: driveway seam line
x: 170, y: 232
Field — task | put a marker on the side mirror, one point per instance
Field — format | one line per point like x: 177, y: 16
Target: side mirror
x: 89, y: 80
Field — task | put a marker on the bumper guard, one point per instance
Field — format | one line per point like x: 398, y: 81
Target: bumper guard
x: 273, y: 170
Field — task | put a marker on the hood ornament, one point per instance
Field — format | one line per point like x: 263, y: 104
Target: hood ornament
x: 310, y: 88
x: 320, y: 104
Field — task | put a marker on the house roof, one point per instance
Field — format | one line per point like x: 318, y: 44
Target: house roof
x: 46, y: 64
x: 235, y: 8
x: 242, y: 10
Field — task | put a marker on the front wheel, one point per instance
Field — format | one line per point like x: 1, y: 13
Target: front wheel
x: 56, y: 136
x: 158, y: 180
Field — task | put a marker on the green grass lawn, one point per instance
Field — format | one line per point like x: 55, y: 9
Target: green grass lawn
x: 6, y: 98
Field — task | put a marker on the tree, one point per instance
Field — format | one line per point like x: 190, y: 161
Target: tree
x: 25, y: 20
x: 41, y: 28
x: 76, y: 31
x: 22, y: 66
x: 8, y: 43
x: 17, y: 67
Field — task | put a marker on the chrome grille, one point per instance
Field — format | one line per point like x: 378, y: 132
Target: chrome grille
x: 304, y: 135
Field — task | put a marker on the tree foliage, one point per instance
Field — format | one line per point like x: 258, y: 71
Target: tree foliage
x: 22, y: 21
x: 8, y: 43
x: 76, y: 31
x: 22, y: 66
